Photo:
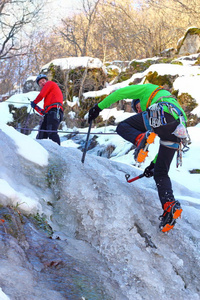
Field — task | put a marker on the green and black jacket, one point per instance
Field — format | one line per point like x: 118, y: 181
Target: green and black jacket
x: 148, y: 94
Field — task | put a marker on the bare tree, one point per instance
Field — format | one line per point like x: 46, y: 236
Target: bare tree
x: 17, y: 22
x: 77, y: 29
x: 143, y: 30
x: 191, y: 8
x: 14, y: 16
x: 119, y: 30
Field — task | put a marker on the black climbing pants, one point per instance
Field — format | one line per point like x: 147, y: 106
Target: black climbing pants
x: 50, y: 124
x: 130, y: 128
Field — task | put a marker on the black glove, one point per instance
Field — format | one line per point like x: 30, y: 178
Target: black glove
x: 93, y: 113
x: 148, y: 172
x: 33, y: 105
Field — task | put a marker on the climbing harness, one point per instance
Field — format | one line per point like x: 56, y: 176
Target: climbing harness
x: 57, y: 104
x: 169, y: 144
x: 146, y: 121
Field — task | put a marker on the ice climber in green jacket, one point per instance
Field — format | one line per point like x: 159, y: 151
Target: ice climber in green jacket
x: 157, y: 113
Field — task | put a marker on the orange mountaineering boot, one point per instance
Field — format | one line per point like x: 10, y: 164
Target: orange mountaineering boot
x: 172, y: 211
x: 142, y: 143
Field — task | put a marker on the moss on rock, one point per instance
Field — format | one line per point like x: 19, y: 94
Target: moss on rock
x: 141, y: 66
x: 188, y: 104
x: 161, y: 80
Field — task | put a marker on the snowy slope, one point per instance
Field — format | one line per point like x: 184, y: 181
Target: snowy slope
x: 94, y: 203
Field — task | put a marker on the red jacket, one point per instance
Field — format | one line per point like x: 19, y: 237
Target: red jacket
x: 52, y: 96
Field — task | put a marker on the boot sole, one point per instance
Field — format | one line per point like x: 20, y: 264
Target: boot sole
x: 176, y: 215
x: 167, y: 228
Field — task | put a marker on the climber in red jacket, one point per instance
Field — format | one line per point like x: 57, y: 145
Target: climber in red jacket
x: 52, y: 109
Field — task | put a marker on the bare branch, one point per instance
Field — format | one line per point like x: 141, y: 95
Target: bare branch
x: 77, y: 29
x: 14, y: 16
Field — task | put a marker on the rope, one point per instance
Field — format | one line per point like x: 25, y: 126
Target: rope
x: 61, y: 131
x: 153, y: 95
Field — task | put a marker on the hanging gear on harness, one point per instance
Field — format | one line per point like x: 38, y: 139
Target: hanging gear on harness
x: 180, y: 131
x: 157, y: 119
x: 179, y: 156
x: 156, y: 115
x: 58, y: 112
x: 183, y: 147
x: 156, y: 112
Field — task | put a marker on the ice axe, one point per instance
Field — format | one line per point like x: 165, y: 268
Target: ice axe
x: 86, y: 143
x: 133, y: 179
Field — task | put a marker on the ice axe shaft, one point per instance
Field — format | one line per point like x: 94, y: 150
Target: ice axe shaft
x: 86, y: 143
x: 133, y: 179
